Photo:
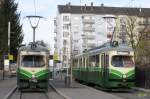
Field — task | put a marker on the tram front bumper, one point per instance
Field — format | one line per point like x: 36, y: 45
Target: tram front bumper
x: 33, y: 84
x: 124, y: 83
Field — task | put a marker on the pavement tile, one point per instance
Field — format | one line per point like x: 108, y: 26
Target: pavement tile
x: 6, y: 86
x: 78, y: 91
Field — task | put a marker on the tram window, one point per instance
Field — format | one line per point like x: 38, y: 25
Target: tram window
x: 102, y: 60
x: 87, y: 62
x: 97, y: 60
x: 122, y: 61
x: 75, y: 63
x: 33, y: 61
x: 83, y: 63
x: 107, y: 60
x: 92, y: 61
x: 80, y: 62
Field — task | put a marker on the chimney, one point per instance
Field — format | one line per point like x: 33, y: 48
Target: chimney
x: 102, y: 5
x: 85, y: 7
x: 92, y: 6
x: 69, y: 5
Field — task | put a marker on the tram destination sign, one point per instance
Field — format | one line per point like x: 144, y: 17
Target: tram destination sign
x: 123, y: 52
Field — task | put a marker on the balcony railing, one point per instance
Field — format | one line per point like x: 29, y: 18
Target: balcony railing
x: 92, y: 21
x: 89, y: 29
x: 89, y: 45
x: 55, y: 45
x: 55, y: 31
x: 89, y: 36
x: 55, y: 38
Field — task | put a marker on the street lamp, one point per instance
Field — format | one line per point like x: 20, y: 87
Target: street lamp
x: 34, y: 22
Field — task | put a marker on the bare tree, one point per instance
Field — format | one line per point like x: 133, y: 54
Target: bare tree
x: 132, y: 31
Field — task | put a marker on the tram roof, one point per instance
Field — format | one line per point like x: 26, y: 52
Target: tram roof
x: 37, y: 48
x: 107, y: 47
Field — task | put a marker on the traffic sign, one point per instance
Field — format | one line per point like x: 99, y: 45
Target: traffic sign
x: 10, y: 57
x: 55, y: 57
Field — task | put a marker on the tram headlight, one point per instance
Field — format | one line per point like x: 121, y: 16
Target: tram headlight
x: 124, y: 76
x: 33, y: 76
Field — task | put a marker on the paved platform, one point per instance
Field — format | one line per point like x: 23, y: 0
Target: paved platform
x: 6, y: 85
x: 141, y: 89
x: 78, y: 91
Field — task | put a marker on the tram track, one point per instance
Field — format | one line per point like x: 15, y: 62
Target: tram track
x: 50, y: 94
x: 34, y: 95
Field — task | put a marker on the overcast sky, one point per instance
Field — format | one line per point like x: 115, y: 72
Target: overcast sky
x: 48, y: 9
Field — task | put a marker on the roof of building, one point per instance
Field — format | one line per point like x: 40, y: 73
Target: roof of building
x: 143, y: 12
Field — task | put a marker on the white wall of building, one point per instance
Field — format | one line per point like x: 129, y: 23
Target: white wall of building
x: 76, y: 22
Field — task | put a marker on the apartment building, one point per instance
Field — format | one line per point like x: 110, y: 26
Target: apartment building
x: 79, y: 28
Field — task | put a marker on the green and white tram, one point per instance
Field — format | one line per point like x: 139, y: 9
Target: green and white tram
x: 109, y: 66
x: 33, y: 67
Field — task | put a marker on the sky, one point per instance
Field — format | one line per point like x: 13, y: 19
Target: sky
x: 48, y: 9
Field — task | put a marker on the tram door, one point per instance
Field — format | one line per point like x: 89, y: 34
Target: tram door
x: 105, y: 66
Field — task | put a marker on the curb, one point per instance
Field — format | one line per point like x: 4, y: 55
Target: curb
x: 59, y: 92
x: 10, y: 93
x: 141, y: 89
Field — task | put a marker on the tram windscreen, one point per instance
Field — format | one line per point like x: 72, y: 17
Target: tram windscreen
x: 122, y: 61
x: 33, y: 61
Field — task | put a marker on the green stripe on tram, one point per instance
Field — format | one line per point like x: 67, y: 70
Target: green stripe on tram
x: 130, y: 73
x: 24, y: 72
x: 116, y: 73
x: 42, y: 73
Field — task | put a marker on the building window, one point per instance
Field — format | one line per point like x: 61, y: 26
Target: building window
x: 75, y: 32
x: 66, y: 34
x: 65, y: 42
x: 65, y: 49
x: 64, y: 58
x: 66, y: 26
x: 65, y: 18
x: 75, y: 41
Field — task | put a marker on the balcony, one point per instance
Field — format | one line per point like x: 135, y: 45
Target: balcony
x: 89, y: 29
x: 75, y: 52
x: 65, y: 53
x: 89, y: 21
x: 89, y: 36
x: 55, y: 31
x: 55, y: 38
x: 89, y: 45
x: 55, y: 45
